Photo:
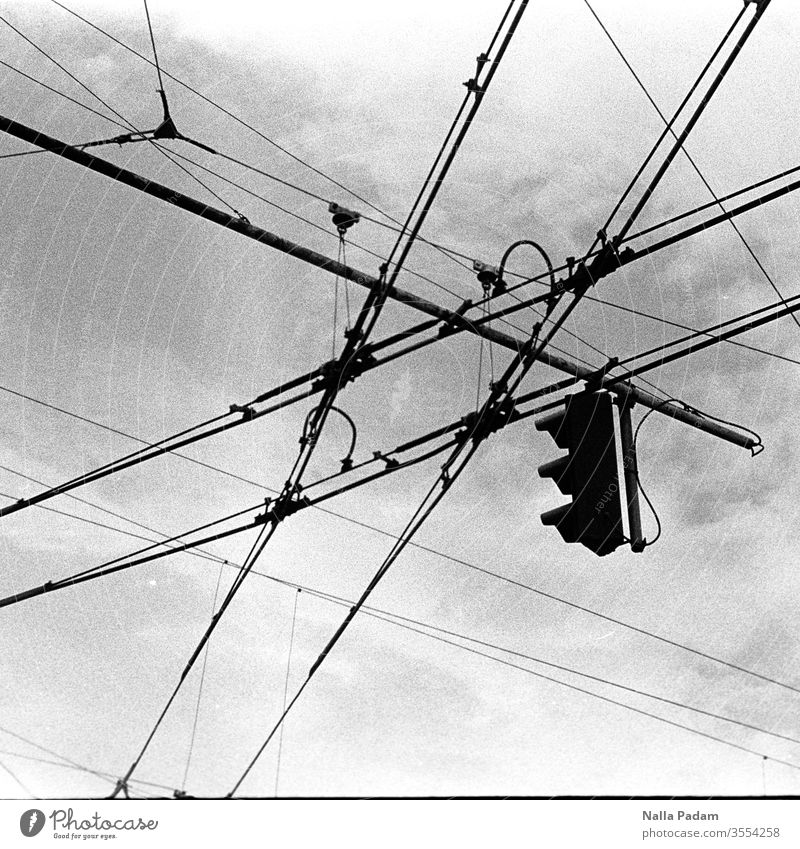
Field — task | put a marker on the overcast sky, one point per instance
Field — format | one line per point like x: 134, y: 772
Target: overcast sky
x: 136, y: 315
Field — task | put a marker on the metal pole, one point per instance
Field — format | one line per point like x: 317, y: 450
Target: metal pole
x: 631, y: 471
x: 245, y: 228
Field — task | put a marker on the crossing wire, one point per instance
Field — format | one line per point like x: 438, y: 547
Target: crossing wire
x: 434, y: 632
x: 788, y: 307
x: 668, y: 126
x: 717, y: 201
x: 356, y: 340
x: 367, y: 526
x: 487, y: 421
x: 708, y: 332
x: 249, y: 191
x: 202, y: 678
x: 383, y: 614
x: 699, y: 109
x: 105, y: 776
x: 65, y: 762
x: 286, y: 688
x: 450, y: 252
x: 663, y: 135
x: 655, y: 387
x: 111, y: 109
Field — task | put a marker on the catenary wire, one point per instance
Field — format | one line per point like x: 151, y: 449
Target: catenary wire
x: 698, y: 111
x: 200, y: 685
x: 286, y: 688
x: 251, y: 192
x: 694, y: 165
x: 230, y: 114
x: 788, y: 307
x: 356, y: 340
x: 680, y: 108
x: 508, y: 322
x: 443, y: 249
x: 616, y: 306
x: 708, y: 331
x: 403, y: 621
x: 458, y: 561
x: 121, y: 117
x: 428, y: 549
x: 26, y: 789
x: 453, y: 467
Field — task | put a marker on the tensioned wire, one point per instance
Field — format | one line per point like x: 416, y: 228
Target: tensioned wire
x: 668, y: 127
x: 364, y: 325
x: 384, y: 614
x: 427, y: 279
x: 451, y: 252
x: 111, y: 109
x: 376, y: 529
x: 230, y: 114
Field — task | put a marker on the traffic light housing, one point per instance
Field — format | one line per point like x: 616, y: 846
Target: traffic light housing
x: 589, y: 472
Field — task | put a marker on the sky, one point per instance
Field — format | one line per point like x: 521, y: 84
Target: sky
x: 140, y: 317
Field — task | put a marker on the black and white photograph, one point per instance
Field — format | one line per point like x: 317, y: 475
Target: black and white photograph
x: 398, y: 401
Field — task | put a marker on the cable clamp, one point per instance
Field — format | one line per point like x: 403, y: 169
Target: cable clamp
x: 343, y: 218
x: 332, y: 370
x: 608, y: 259
x: 595, y: 379
x: 352, y: 333
x: 455, y: 320
x: 286, y: 506
x: 363, y: 361
x: 500, y: 416
x: 248, y: 413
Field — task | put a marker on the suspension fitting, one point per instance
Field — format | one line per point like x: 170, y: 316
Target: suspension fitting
x: 248, y: 413
x: 284, y: 506
x: 595, y: 379
x: 607, y: 260
x: 472, y: 85
x: 391, y: 463
x: 453, y: 323
x: 336, y: 372
x: 343, y: 218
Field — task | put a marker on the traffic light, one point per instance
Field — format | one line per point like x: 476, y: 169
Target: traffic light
x: 589, y: 472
